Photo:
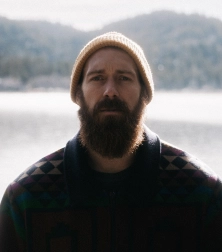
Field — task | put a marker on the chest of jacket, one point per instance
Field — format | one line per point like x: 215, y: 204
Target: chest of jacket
x: 116, y: 228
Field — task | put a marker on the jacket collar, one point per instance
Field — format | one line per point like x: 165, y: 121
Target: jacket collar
x: 142, y: 186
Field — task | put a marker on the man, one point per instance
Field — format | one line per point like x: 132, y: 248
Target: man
x: 115, y: 186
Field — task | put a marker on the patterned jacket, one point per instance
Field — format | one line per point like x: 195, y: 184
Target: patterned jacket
x: 170, y: 201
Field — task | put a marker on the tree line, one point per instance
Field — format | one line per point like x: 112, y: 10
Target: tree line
x: 184, y: 51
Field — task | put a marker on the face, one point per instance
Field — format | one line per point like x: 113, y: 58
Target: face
x: 111, y: 104
x: 108, y: 74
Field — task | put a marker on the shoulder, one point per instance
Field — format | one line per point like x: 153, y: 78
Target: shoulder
x: 183, y: 178
x: 173, y: 158
x: 46, y: 176
x: 186, y: 168
x: 50, y: 164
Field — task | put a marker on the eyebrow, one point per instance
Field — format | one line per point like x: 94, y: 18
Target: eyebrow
x: 100, y: 71
x: 126, y: 72
x: 95, y: 72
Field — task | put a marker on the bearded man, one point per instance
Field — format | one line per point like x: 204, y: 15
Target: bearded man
x: 115, y: 186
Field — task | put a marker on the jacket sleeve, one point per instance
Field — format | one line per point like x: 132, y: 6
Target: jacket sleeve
x: 12, y: 231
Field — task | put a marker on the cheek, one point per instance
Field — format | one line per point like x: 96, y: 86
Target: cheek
x: 132, y: 97
x: 91, y: 96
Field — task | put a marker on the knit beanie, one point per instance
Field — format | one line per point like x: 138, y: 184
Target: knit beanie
x: 117, y: 40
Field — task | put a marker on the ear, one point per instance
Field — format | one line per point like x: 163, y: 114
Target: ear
x: 146, y: 97
x: 78, y: 94
x: 144, y: 94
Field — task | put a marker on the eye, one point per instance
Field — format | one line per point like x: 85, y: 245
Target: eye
x: 97, y: 78
x: 124, y: 78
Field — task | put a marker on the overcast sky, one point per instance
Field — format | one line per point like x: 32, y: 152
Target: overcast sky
x: 89, y: 14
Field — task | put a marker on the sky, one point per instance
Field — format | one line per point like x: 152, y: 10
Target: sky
x: 94, y: 14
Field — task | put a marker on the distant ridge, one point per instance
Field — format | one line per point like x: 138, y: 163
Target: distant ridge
x: 184, y: 51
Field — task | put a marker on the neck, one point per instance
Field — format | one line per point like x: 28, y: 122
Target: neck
x: 108, y: 165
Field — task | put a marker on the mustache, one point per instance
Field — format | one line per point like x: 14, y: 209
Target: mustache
x: 111, y: 104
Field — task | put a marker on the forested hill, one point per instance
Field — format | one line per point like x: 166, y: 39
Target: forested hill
x: 184, y: 51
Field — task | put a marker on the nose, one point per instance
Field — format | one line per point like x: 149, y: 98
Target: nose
x: 110, y: 89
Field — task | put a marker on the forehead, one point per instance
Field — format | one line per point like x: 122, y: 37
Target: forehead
x: 106, y: 56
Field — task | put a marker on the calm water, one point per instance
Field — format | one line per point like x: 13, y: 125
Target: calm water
x: 33, y: 125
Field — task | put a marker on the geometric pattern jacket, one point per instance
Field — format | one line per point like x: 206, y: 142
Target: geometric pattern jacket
x: 171, y: 201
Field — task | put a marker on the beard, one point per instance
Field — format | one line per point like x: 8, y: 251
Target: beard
x: 111, y: 136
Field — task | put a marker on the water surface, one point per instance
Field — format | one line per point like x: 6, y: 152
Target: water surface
x: 33, y: 125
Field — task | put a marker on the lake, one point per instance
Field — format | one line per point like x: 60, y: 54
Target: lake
x: 33, y: 125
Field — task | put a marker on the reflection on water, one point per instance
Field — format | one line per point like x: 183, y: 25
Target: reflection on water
x: 34, y: 125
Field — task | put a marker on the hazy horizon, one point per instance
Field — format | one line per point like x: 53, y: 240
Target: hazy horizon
x: 90, y: 15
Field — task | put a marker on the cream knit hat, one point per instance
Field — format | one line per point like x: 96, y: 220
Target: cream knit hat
x: 120, y: 41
